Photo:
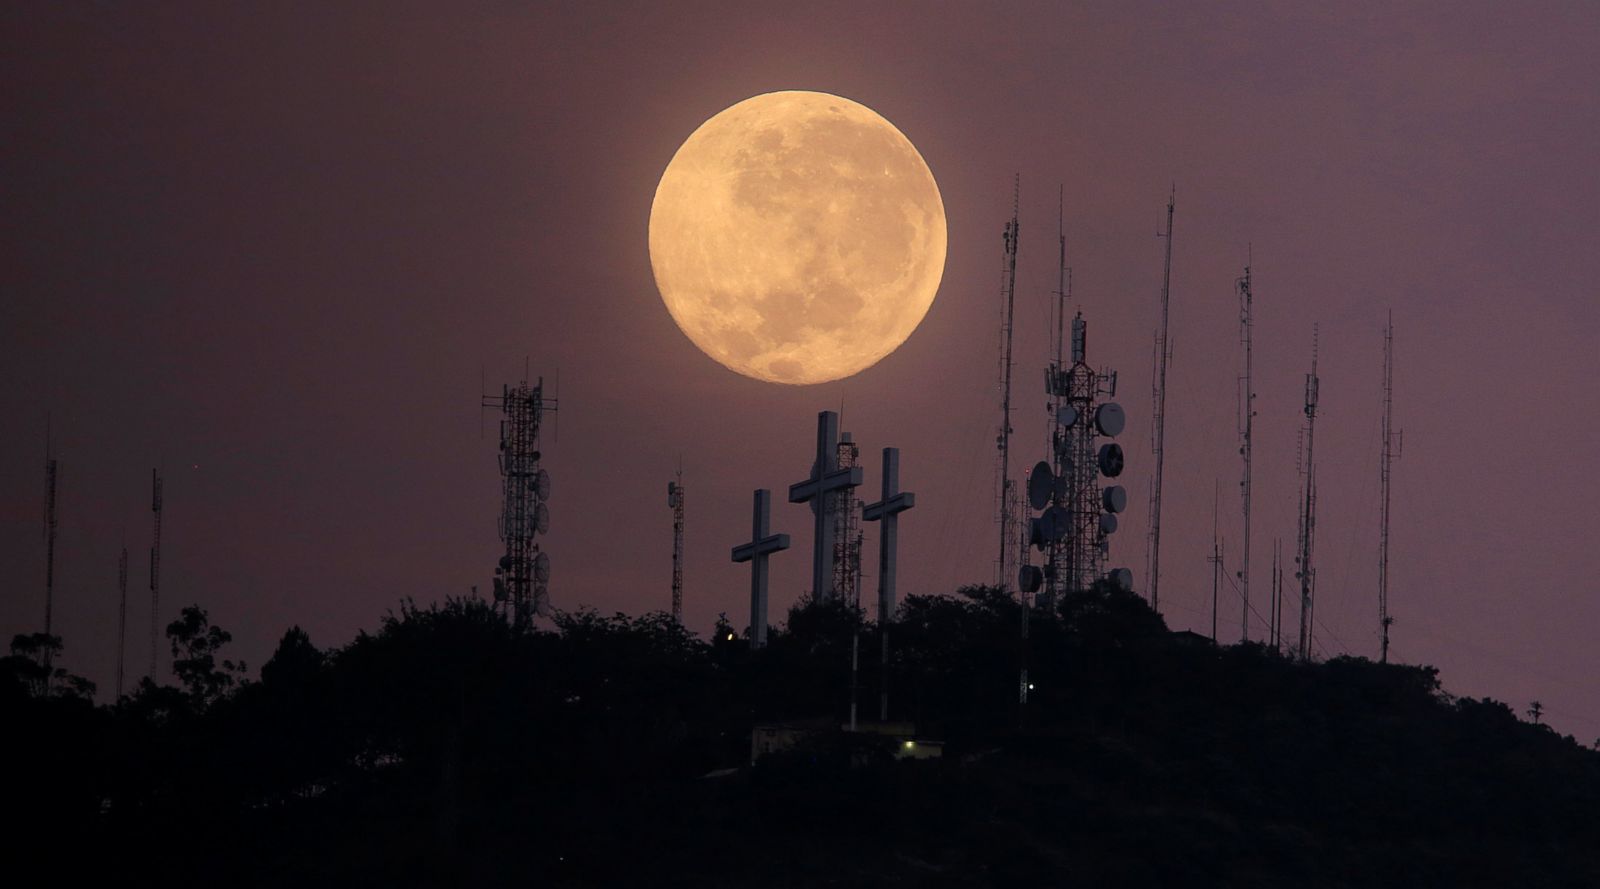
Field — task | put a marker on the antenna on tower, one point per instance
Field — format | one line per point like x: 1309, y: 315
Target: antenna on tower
x: 1216, y: 557
x: 1005, y: 494
x: 155, y: 566
x: 1247, y: 413
x: 122, y: 615
x: 1308, y: 510
x: 1392, y: 442
x: 521, y: 582
x: 1158, y: 398
x: 1276, y: 617
x: 51, y: 477
x: 675, y: 500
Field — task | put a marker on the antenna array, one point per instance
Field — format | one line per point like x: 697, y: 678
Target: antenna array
x: 1158, y: 422
x: 1304, y: 570
x: 1247, y: 414
x: 1391, y: 452
x: 521, y: 583
x: 1005, y: 495
x: 845, y: 508
x: 675, y: 500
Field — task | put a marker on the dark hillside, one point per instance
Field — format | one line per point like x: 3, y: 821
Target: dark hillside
x: 443, y: 749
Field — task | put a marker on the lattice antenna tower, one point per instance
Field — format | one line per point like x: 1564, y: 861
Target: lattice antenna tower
x: 1005, y: 496
x: 1305, y: 571
x: 1079, y: 514
x: 122, y: 615
x: 155, y: 566
x: 1392, y: 442
x: 51, y: 478
x: 675, y: 501
x: 845, y: 509
x: 1247, y: 414
x: 1158, y: 422
x: 521, y: 583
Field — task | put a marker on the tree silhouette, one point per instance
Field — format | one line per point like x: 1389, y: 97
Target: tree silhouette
x: 195, y: 642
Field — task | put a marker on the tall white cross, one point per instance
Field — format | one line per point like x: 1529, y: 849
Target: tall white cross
x: 887, y: 511
x: 762, y: 544
x: 826, y: 477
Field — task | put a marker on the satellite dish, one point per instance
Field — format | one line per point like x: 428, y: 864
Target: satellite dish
x: 505, y: 562
x: 1041, y: 484
x: 541, y: 519
x: 1029, y: 578
x: 541, y: 484
x: 1067, y: 416
x: 1062, y: 490
x: 1055, y: 523
x: 1110, y: 419
x: 1036, y: 533
x: 1115, y: 498
x: 1121, y: 578
x: 1111, y: 460
x: 499, y: 590
x: 541, y: 568
x: 1108, y: 523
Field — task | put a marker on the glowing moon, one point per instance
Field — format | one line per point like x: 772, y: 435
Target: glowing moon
x: 797, y: 237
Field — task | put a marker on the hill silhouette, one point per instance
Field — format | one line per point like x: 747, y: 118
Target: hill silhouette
x: 445, y: 749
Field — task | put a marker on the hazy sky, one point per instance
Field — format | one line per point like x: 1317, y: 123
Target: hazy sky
x: 273, y: 250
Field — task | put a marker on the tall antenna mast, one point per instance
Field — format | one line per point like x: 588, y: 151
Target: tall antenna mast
x: 1247, y: 412
x: 675, y: 500
x: 1276, y: 617
x: 1391, y: 452
x: 51, y: 476
x: 521, y: 581
x: 1158, y: 397
x: 1216, y: 558
x: 155, y: 567
x: 1005, y: 494
x: 122, y: 615
x: 1308, y: 511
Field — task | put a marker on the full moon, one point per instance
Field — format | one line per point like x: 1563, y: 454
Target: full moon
x: 797, y: 237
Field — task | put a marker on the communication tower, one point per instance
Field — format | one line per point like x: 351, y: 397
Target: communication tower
x: 1304, y: 569
x: 521, y: 582
x: 1078, y: 513
x: 675, y: 501
x: 1005, y: 495
x: 155, y: 567
x: 1276, y: 617
x: 1247, y: 414
x: 845, y: 509
x: 1158, y: 421
x: 1392, y: 442
x: 1215, y: 560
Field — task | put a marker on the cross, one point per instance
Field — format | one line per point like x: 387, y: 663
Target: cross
x: 762, y: 544
x: 887, y: 511
x: 826, y: 477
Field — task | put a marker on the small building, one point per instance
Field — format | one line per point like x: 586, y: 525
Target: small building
x: 898, y: 739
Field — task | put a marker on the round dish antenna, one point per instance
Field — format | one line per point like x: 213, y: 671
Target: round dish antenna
x: 1121, y: 578
x: 541, y: 519
x: 1041, y: 484
x: 1111, y: 460
x: 1030, y: 578
x: 541, y: 568
x: 1108, y: 523
x: 541, y: 484
x: 1115, y: 498
x: 1110, y: 419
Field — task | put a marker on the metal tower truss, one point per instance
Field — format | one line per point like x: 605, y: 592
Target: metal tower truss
x: 521, y: 582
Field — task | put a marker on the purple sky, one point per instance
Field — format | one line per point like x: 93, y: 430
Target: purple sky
x: 273, y: 250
